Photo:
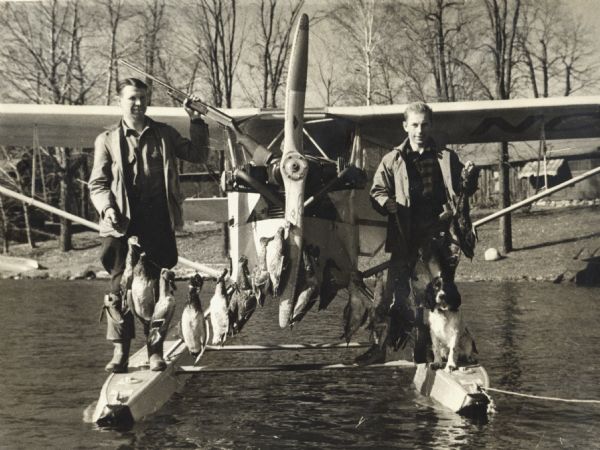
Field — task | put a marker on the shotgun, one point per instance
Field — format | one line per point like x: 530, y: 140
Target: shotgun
x: 202, y: 108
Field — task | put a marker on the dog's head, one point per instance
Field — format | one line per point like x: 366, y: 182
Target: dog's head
x: 443, y: 295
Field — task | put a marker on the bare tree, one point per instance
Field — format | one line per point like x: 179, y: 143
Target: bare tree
x: 114, y: 9
x: 504, y: 20
x: 17, y: 180
x: 217, y: 39
x: 274, y: 41
x: 359, y: 21
x: 440, y: 32
x: 42, y: 60
x: 576, y: 52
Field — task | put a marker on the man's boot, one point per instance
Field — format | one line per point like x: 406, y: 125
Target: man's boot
x: 422, y: 339
x: 119, y: 330
x: 120, y: 359
x: 376, y: 353
x: 155, y: 356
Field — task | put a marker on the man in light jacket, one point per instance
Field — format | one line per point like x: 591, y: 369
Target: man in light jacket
x: 423, y: 190
x: 134, y: 185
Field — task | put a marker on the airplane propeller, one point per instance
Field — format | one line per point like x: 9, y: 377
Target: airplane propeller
x: 294, y: 166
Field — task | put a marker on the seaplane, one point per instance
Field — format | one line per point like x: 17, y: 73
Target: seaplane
x: 297, y: 188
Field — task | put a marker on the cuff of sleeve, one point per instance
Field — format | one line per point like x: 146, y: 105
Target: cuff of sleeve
x: 198, y: 121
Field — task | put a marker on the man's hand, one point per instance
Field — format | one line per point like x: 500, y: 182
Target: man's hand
x: 110, y: 215
x: 391, y: 206
x: 469, y: 166
x: 192, y: 113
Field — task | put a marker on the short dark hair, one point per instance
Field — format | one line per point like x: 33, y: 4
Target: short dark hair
x: 135, y: 82
x: 419, y: 108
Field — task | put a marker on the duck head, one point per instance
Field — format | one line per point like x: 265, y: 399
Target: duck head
x: 196, y: 282
x: 169, y: 278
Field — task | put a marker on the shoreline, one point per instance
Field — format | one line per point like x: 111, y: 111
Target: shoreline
x: 549, y: 244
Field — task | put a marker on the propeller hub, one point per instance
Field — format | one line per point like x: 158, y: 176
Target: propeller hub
x: 294, y: 166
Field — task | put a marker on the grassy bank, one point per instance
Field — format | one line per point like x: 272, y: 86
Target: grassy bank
x: 545, y: 244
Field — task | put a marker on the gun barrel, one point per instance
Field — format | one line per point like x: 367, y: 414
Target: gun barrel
x: 198, y: 106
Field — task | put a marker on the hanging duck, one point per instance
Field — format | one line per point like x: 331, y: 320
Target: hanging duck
x: 243, y: 301
x: 143, y: 287
x: 357, y: 310
x: 193, y: 328
x: 161, y: 319
x: 261, y: 281
x: 165, y: 307
x: 219, y: 318
x: 132, y: 259
x: 275, y: 256
x: 308, y: 296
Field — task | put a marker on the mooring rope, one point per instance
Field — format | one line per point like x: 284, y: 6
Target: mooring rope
x: 540, y: 397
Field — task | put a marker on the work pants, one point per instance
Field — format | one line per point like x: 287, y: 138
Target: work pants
x: 152, y: 226
x: 404, y: 289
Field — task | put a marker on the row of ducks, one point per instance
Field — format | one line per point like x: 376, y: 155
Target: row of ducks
x: 230, y: 307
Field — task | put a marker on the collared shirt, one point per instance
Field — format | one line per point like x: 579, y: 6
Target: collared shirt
x: 145, y: 164
x: 427, y: 192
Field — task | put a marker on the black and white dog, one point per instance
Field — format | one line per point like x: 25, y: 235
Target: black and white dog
x: 450, y: 338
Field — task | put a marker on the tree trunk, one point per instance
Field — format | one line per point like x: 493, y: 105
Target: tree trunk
x: 85, y: 195
x: 26, y: 216
x: 4, y: 227
x: 504, y: 186
x: 66, y: 190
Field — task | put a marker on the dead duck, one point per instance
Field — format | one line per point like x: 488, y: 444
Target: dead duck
x: 308, y: 296
x: 261, y: 281
x: 132, y: 259
x: 275, y: 256
x: 143, y: 287
x: 192, y: 326
x: 243, y: 301
x: 357, y: 310
x: 161, y: 319
x: 164, y: 309
x: 330, y: 284
x: 219, y: 318
x: 379, y: 323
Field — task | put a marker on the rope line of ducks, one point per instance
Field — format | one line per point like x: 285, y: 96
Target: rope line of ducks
x: 231, y: 307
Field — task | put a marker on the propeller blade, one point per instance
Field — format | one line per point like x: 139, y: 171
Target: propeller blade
x: 294, y: 167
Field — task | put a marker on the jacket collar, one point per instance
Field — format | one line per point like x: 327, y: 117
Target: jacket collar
x: 115, y: 126
x: 405, y: 148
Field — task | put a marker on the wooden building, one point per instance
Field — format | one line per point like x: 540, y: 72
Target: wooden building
x: 528, y: 173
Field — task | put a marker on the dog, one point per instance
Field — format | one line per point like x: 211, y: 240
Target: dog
x: 450, y: 338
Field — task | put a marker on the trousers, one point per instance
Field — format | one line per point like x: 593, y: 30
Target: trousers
x: 404, y: 285
x: 152, y: 226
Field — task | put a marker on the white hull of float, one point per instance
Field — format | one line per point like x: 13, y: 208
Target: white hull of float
x: 129, y: 397
x: 458, y: 390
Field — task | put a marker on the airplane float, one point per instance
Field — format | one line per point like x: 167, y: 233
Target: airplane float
x: 295, y: 191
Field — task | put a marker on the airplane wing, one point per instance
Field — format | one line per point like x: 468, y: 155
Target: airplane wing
x: 77, y: 126
x: 455, y: 123
x: 485, y: 121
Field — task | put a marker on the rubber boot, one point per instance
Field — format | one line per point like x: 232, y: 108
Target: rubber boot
x: 376, y: 354
x: 422, y: 340
x: 120, y: 360
x: 155, y: 357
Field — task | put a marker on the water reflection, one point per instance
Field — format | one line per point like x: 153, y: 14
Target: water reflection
x: 509, y: 340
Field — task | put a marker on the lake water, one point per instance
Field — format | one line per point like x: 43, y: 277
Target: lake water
x: 539, y: 339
